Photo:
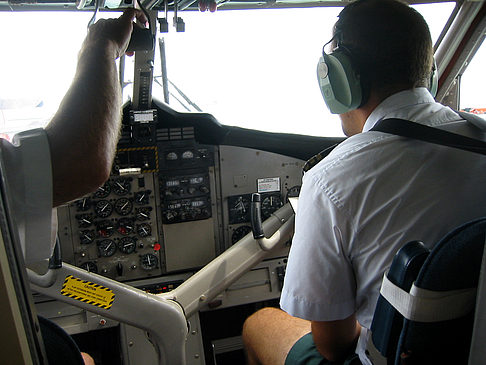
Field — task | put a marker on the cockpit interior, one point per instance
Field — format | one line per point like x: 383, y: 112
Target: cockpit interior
x: 176, y: 235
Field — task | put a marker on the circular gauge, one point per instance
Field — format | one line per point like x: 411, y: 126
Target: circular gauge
x: 144, y: 230
x: 239, y: 209
x: 171, y: 156
x: 86, y: 236
x: 105, y: 228
x: 89, y: 266
x: 122, y: 186
x: 293, y: 192
x: 127, y: 245
x: 143, y: 213
x: 186, y: 155
x: 239, y: 233
x: 125, y: 226
x: 149, y: 261
x: 170, y: 215
x: 83, y: 204
x: 270, y: 204
x: 142, y: 197
x: 103, y: 208
x: 123, y: 206
x: 106, y: 248
x: 84, y: 220
x: 103, y: 191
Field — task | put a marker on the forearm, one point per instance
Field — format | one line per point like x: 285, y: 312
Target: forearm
x: 84, y: 131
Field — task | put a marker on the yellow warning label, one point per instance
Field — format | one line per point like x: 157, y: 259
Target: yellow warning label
x: 88, y: 292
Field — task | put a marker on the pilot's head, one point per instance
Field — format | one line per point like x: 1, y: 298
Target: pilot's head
x: 389, y: 48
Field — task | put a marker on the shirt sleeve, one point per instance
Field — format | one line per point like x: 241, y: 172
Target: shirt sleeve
x: 319, y: 282
x: 28, y: 177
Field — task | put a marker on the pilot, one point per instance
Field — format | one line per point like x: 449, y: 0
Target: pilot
x: 372, y: 194
x: 73, y: 154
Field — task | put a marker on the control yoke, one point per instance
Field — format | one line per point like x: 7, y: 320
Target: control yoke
x: 168, y: 333
x: 266, y: 244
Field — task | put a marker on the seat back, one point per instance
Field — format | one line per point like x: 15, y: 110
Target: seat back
x: 60, y: 347
x: 453, y: 264
x: 387, y: 321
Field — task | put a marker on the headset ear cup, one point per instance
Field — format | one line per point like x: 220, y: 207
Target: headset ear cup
x: 340, y: 85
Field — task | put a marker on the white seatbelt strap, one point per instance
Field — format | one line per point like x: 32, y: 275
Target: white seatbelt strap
x: 422, y: 305
x: 477, y: 353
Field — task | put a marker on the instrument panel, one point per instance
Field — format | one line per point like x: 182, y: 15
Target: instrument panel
x: 115, y: 229
x: 171, y: 204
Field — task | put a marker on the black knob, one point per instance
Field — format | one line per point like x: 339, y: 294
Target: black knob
x: 119, y: 269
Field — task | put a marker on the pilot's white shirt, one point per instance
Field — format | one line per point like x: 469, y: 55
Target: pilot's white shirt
x: 27, y: 175
x: 371, y: 195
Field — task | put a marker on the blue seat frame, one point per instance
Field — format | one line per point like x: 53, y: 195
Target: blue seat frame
x: 454, y: 263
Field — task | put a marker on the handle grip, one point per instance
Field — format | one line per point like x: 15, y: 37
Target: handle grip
x: 141, y: 40
x: 256, y: 216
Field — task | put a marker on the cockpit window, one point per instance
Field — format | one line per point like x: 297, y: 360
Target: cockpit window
x: 472, y: 83
x: 249, y: 68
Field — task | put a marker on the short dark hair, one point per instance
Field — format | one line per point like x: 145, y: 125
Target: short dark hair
x: 389, y: 42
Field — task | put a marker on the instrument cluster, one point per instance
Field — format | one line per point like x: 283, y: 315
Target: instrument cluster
x: 116, y: 229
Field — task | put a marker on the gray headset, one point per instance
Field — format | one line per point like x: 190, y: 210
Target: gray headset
x: 340, y: 83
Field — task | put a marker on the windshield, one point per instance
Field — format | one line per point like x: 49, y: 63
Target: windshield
x: 249, y: 68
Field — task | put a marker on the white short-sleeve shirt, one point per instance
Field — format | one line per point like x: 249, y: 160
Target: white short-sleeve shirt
x: 374, y: 193
x: 27, y: 174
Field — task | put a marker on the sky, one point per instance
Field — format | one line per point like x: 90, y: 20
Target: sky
x: 254, y: 69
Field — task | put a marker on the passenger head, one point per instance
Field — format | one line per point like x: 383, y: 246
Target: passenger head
x: 389, y: 43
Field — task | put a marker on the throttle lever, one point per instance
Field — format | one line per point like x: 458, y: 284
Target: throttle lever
x: 141, y: 40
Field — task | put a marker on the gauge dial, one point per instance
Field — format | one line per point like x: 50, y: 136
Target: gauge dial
x: 89, y: 266
x: 186, y: 155
x: 239, y: 209
x: 144, y: 230
x: 103, y: 191
x: 106, y: 248
x: 86, y: 236
x: 143, y: 213
x: 83, y: 204
x: 105, y: 228
x: 270, y: 204
x: 125, y: 226
x: 122, y: 186
x: 239, y: 233
x: 149, y: 261
x: 84, y: 220
x: 293, y: 192
x: 123, y: 206
x: 127, y: 245
x: 142, y: 197
x: 103, y: 208
x: 171, y: 156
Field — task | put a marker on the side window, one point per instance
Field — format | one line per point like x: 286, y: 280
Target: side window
x: 473, y: 82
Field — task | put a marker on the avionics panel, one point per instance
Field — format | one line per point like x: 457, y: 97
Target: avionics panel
x: 188, y: 199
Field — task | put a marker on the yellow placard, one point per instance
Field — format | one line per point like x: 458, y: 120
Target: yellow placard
x: 88, y: 292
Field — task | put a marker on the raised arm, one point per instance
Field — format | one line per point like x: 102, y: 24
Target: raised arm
x: 84, y: 131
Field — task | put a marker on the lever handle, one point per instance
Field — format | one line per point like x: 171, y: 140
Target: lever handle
x: 141, y: 40
x: 256, y: 216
